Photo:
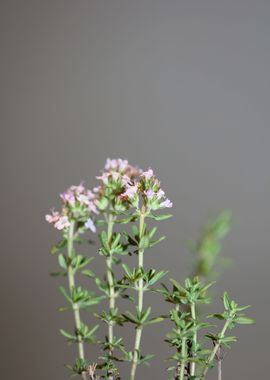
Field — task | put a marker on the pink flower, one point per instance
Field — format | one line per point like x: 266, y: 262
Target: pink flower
x: 104, y: 178
x: 148, y: 174
x: 125, y: 180
x: 166, y: 204
x: 123, y: 164
x: 92, y: 207
x: 77, y: 189
x: 115, y: 176
x: 68, y: 197
x: 97, y: 189
x: 62, y: 223
x: 53, y: 217
x: 90, y: 195
x: 130, y: 192
x: 150, y: 194
x: 110, y: 164
x: 160, y: 194
x: 90, y: 225
x: 116, y: 165
x: 82, y: 198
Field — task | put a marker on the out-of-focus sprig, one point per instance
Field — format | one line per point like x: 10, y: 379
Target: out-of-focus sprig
x: 207, y: 248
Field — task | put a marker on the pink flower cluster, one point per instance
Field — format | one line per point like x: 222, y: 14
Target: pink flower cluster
x: 78, y: 203
x: 59, y: 220
x: 121, y: 166
x: 116, y: 178
x: 77, y: 196
x: 118, y: 170
x: 148, y: 186
x: 122, y: 186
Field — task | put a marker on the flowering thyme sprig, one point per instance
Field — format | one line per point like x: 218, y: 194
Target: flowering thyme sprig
x: 117, y: 176
x: 73, y: 221
x: 144, y: 196
x: 78, y: 204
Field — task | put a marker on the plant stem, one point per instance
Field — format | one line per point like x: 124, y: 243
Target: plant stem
x: 110, y: 222
x: 140, y: 304
x: 183, y: 361
x: 219, y: 370
x: 71, y: 281
x: 194, y: 340
x: 216, y: 348
x: 178, y: 366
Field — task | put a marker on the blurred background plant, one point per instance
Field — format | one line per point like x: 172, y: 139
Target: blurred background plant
x: 207, y: 261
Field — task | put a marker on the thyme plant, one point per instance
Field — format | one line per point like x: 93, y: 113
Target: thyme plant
x: 73, y: 220
x: 120, y: 209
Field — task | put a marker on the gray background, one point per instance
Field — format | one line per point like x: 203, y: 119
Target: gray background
x: 182, y: 86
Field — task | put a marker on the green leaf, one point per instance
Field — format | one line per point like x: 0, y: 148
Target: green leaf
x: 57, y: 274
x: 62, y: 261
x: 70, y: 337
x: 126, y: 220
x: 218, y: 316
x: 104, y: 241
x: 61, y: 244
x: 244, y: 320
x: 154, y: 242
x: 160, y: 217
x: 144, y: 359
x: 127, y: 270
x: 152, y: 232
x: 156, y: 320
x: 129, y: 317
x: 226, y: 301
x: 88, y: 273
x: 178, y: 286
x: 143, y: 316
x: 154, y: 276
x: 144, y: 242
x: 65, y: 294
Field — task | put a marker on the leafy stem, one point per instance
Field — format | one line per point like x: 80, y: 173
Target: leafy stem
x: 216, y: 347
x: 194, y: 339
x: 183, y: 359
x: 140, y: 302
x: 110, y: 224
x: 71, y: 281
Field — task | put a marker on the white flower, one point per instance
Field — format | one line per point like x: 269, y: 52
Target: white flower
x: 160, y: 194
x: 90, y: 225
x: 82, y: 198
x: 167, y: 203
x: 148, y: 174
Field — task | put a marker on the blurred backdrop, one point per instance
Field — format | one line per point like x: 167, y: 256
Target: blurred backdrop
x: 181, y: 86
